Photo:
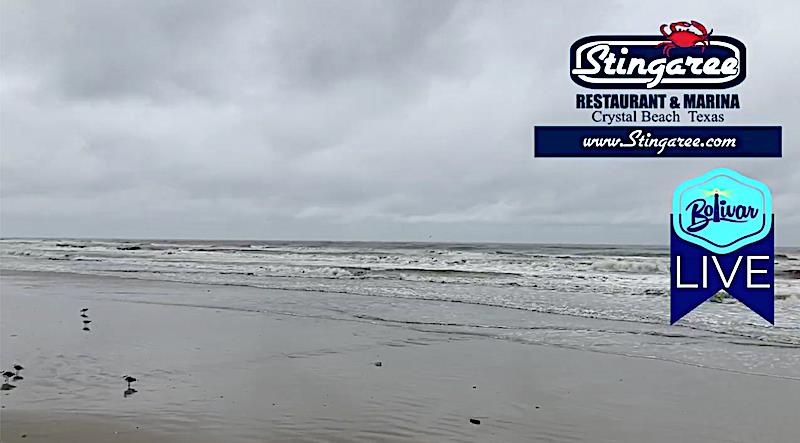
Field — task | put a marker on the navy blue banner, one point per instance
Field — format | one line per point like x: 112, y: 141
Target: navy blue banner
x: 747, y: 274
x: 657, y: 141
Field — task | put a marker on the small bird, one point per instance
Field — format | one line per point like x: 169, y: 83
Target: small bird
x: 83, y: 310
x: 128, y: 379
x: 86, y: 322
x: 86, y: 329
x: 8, y: 374
x: 84, y: 316
x: 17, y: 378
x: 18, y: 367
x: 7, y: 387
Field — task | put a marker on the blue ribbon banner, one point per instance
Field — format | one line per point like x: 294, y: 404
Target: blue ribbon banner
x: 657, y: 141
x: 747, y: 274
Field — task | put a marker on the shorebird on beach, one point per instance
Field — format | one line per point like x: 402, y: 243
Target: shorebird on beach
x: 84, y: 316
x: 7, y: 387
x: 8, y: 374
x: 18, y: 367
x: 17, y: 378
x: 83, y: 310
x: 129, y: 379
x: 86, y: 322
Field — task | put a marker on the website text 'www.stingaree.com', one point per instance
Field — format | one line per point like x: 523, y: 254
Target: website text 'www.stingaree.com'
x: 638, y: 139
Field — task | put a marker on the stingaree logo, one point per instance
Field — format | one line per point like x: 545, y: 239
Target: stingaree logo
x: 684, y: 56
x: 722, y: 239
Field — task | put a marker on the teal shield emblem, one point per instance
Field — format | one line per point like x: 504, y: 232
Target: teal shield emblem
x: 722, y: 211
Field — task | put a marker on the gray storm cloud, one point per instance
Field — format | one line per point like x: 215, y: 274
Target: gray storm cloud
x: 345, y: 120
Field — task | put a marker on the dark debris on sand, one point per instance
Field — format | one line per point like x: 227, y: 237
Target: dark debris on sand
x: 474, y: 421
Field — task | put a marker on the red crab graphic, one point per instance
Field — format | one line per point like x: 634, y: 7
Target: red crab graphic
x: 684, y: 35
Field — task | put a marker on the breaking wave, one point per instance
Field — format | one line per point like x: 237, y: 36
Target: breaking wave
x: 628, y: 283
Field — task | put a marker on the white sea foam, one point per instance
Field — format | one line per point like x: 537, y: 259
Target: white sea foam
x: 627, y: 265
x: 611, y: 282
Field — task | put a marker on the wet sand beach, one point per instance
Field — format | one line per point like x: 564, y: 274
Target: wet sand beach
x: 239, y: 364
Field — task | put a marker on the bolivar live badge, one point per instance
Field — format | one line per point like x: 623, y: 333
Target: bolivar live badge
x: 722, y: 239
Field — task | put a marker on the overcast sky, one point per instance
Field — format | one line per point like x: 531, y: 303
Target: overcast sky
x: 369, y: 120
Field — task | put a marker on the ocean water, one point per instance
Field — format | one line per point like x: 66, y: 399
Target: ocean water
x: 599, y: 298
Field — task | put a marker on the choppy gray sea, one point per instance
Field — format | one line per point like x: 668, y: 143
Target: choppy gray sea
x: 601, y: 298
